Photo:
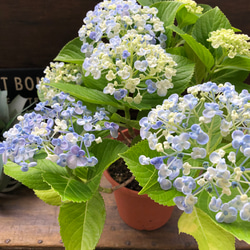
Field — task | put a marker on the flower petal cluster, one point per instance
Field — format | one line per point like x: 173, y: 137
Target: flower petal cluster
x: 132, y: 65
x: 205, y: 147
x: 113, y: 18
x: 191, y: 6
x: 51, y: 129
x: 233, y: 43
x: 58, y: 72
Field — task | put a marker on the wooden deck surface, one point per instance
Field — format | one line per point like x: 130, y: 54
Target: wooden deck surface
x: 28, y: 223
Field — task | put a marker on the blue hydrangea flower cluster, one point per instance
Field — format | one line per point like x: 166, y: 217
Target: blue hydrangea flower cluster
x: 204, y: 141
x: 123, y: 42
x: 112, y: 18
x: 52, y: 129
x: 132, y: 65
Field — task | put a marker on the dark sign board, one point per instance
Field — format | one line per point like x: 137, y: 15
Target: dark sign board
x: 22, y: 82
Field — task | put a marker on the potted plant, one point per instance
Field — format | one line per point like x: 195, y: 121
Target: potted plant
x: 130, y: 66
x: 196, y: 153
x: 7, y: 118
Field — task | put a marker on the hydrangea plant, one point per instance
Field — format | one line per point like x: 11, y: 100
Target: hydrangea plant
x: 203, y: 138
x: 196, y: 153
x: 131, y: 67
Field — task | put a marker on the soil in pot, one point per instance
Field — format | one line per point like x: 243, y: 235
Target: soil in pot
x: 120, y: 173
x: 138, y: 211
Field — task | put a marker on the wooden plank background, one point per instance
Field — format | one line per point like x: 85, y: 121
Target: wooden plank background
x: 27, y: 223
x: 33, y: 32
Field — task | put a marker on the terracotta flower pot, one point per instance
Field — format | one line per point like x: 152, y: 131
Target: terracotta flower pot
x: 138, y: 211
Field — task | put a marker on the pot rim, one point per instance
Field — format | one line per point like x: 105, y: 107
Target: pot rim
x: 124, y: 189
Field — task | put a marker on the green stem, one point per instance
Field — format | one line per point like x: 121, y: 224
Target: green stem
x: 215, y: 68
x: 127, y: 113
x: 226, y: 146
x: 105, y: 190
x: 210, y: 131
x: 128, y: 117
x: 111, y: 190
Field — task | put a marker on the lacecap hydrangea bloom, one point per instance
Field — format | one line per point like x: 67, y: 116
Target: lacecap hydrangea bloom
x: 51, y: 129
x: 132, y: 65
x: 112, y: 18
x: 233, y: 43
x: 204, y: 140
x: 58, y: 72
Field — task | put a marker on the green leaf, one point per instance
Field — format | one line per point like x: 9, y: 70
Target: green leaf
x: 185, y: 71
x: 230, y: 75
x: 176, y: 51
x: 92, y: 83
x: 81, y: 224
x: 32, y: 178
x: 184, y: 17
x: 81, y: 190
x: 71, y: 52
x: 238, y: 63
x: 166, y: 12
x: 148, y: 2
x: 212, y: 20
x: 144, y: 105
x: 40, y: 155
x: 69, y: 187
x: 106, y: 152
x: 49, y: 196
x: 205, y: 7
x: 198, y: 49
x: 207, y: 234
x: 214, y: 134
x: 48, y: 166
x: 200, y: 69
x: 87, y: 94
x: 240, y: 229
x: 147, y: 175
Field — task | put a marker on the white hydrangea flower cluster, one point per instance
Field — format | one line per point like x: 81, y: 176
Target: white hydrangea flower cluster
x: 58, y: 72
x: 112, y: 18
x: 233, y: 43
x: 191, y: 6
x: 132, y: 65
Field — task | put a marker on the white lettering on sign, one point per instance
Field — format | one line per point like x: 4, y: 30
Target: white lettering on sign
x: 4, y: 79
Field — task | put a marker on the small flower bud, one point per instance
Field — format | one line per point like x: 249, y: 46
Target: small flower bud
x: 20, y: 118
